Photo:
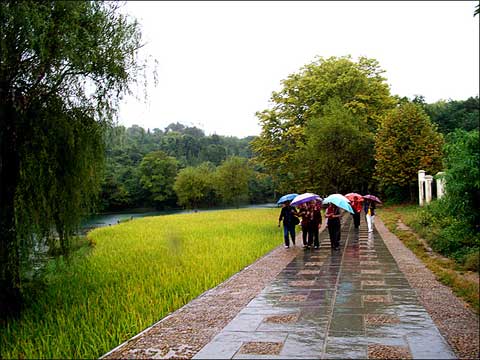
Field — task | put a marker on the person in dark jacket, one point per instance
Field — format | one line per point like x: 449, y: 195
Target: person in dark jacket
x: 314, y: 223
x: 288, y: 215
x: 303, y: 214
x: 333, y: 216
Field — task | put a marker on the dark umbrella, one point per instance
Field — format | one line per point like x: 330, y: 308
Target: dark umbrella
x: 372, y: 197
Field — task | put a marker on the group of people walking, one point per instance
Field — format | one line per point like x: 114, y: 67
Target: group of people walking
x: 309, y: 216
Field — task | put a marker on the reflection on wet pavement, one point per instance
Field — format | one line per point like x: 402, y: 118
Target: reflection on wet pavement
x: 353, y: 303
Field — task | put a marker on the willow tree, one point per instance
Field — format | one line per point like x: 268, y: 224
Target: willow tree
x: 358, y: 86
x: 64, y: 65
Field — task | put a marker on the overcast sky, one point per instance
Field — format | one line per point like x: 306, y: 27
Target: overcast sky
x: 219, y: 61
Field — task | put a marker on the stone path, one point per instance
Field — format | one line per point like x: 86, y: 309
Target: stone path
x: 352, y: 303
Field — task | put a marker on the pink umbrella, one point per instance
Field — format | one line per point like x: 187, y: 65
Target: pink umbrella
x: 372, y: 197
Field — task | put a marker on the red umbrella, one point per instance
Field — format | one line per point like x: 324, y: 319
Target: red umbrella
x: 372, y: 197
x: 351, y: 196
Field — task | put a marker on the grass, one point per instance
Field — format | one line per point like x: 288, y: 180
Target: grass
x: 446, y: 270
x: 137, y: 273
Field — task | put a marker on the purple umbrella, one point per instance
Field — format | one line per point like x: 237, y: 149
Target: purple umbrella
x: 373, y: 198
x: 305, y: 197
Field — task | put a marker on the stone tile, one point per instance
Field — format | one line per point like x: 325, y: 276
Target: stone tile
x: 347, y: 323
x: 244, y: 322
x: 339, y: 347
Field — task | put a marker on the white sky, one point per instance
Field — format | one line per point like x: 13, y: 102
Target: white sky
x: 219, y: 61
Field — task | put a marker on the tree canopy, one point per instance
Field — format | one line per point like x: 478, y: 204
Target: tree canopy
x: 63, y: 68
x: 358, y: 86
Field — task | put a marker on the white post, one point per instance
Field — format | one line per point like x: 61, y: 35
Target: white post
x: 428, y: 188
x: 440, y: 184
x: 421, y: 180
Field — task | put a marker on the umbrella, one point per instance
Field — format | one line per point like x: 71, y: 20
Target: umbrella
x: 305, y: 197
x: 373, y: 198
x: 287, y: 197
x: 339, y: 200
x: 351, y: 196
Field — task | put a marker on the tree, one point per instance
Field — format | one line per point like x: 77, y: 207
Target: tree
x: 158, y: 172
x: 338, y: 153
x: 194, y: 185
x: 63, y: 67
x: 232, y: 179
x: 406, y: 142
x: 360, y: 88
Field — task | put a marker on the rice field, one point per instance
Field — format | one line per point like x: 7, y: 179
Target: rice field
x: 137, y: 273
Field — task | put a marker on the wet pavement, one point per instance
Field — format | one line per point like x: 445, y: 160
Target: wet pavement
x: 352, y: 303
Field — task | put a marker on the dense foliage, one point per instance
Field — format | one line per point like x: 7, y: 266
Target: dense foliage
x: 140, y: 169
x: 454, y: 114
x: 63, y: 67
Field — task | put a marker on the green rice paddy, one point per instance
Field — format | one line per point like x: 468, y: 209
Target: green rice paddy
x: 137, y: 273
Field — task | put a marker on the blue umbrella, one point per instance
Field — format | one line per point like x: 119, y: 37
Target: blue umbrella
x: 305, y: 197
x: 287, y: 197
x: 339, y: 200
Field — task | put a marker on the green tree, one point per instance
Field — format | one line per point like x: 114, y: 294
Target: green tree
x: 232, y: 178
x: 406, y: 142
x: 63, y: 67
x: 158, y: 172
x: 338, y: 153
x: 360, y: 88
x: 195, y: 185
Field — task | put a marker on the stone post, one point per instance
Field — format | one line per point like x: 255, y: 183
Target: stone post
x: 428, y: 188
x: 421, y: 180
x: 440, y: 184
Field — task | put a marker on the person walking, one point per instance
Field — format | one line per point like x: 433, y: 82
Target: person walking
x: 357, y: 208
x: 289, y: 216
x: 303, y: 214
x: 369, y: 208
x: 314, y: 223
x: 333, y: 216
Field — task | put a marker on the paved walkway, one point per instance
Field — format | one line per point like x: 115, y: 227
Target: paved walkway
x: 352, y: 303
